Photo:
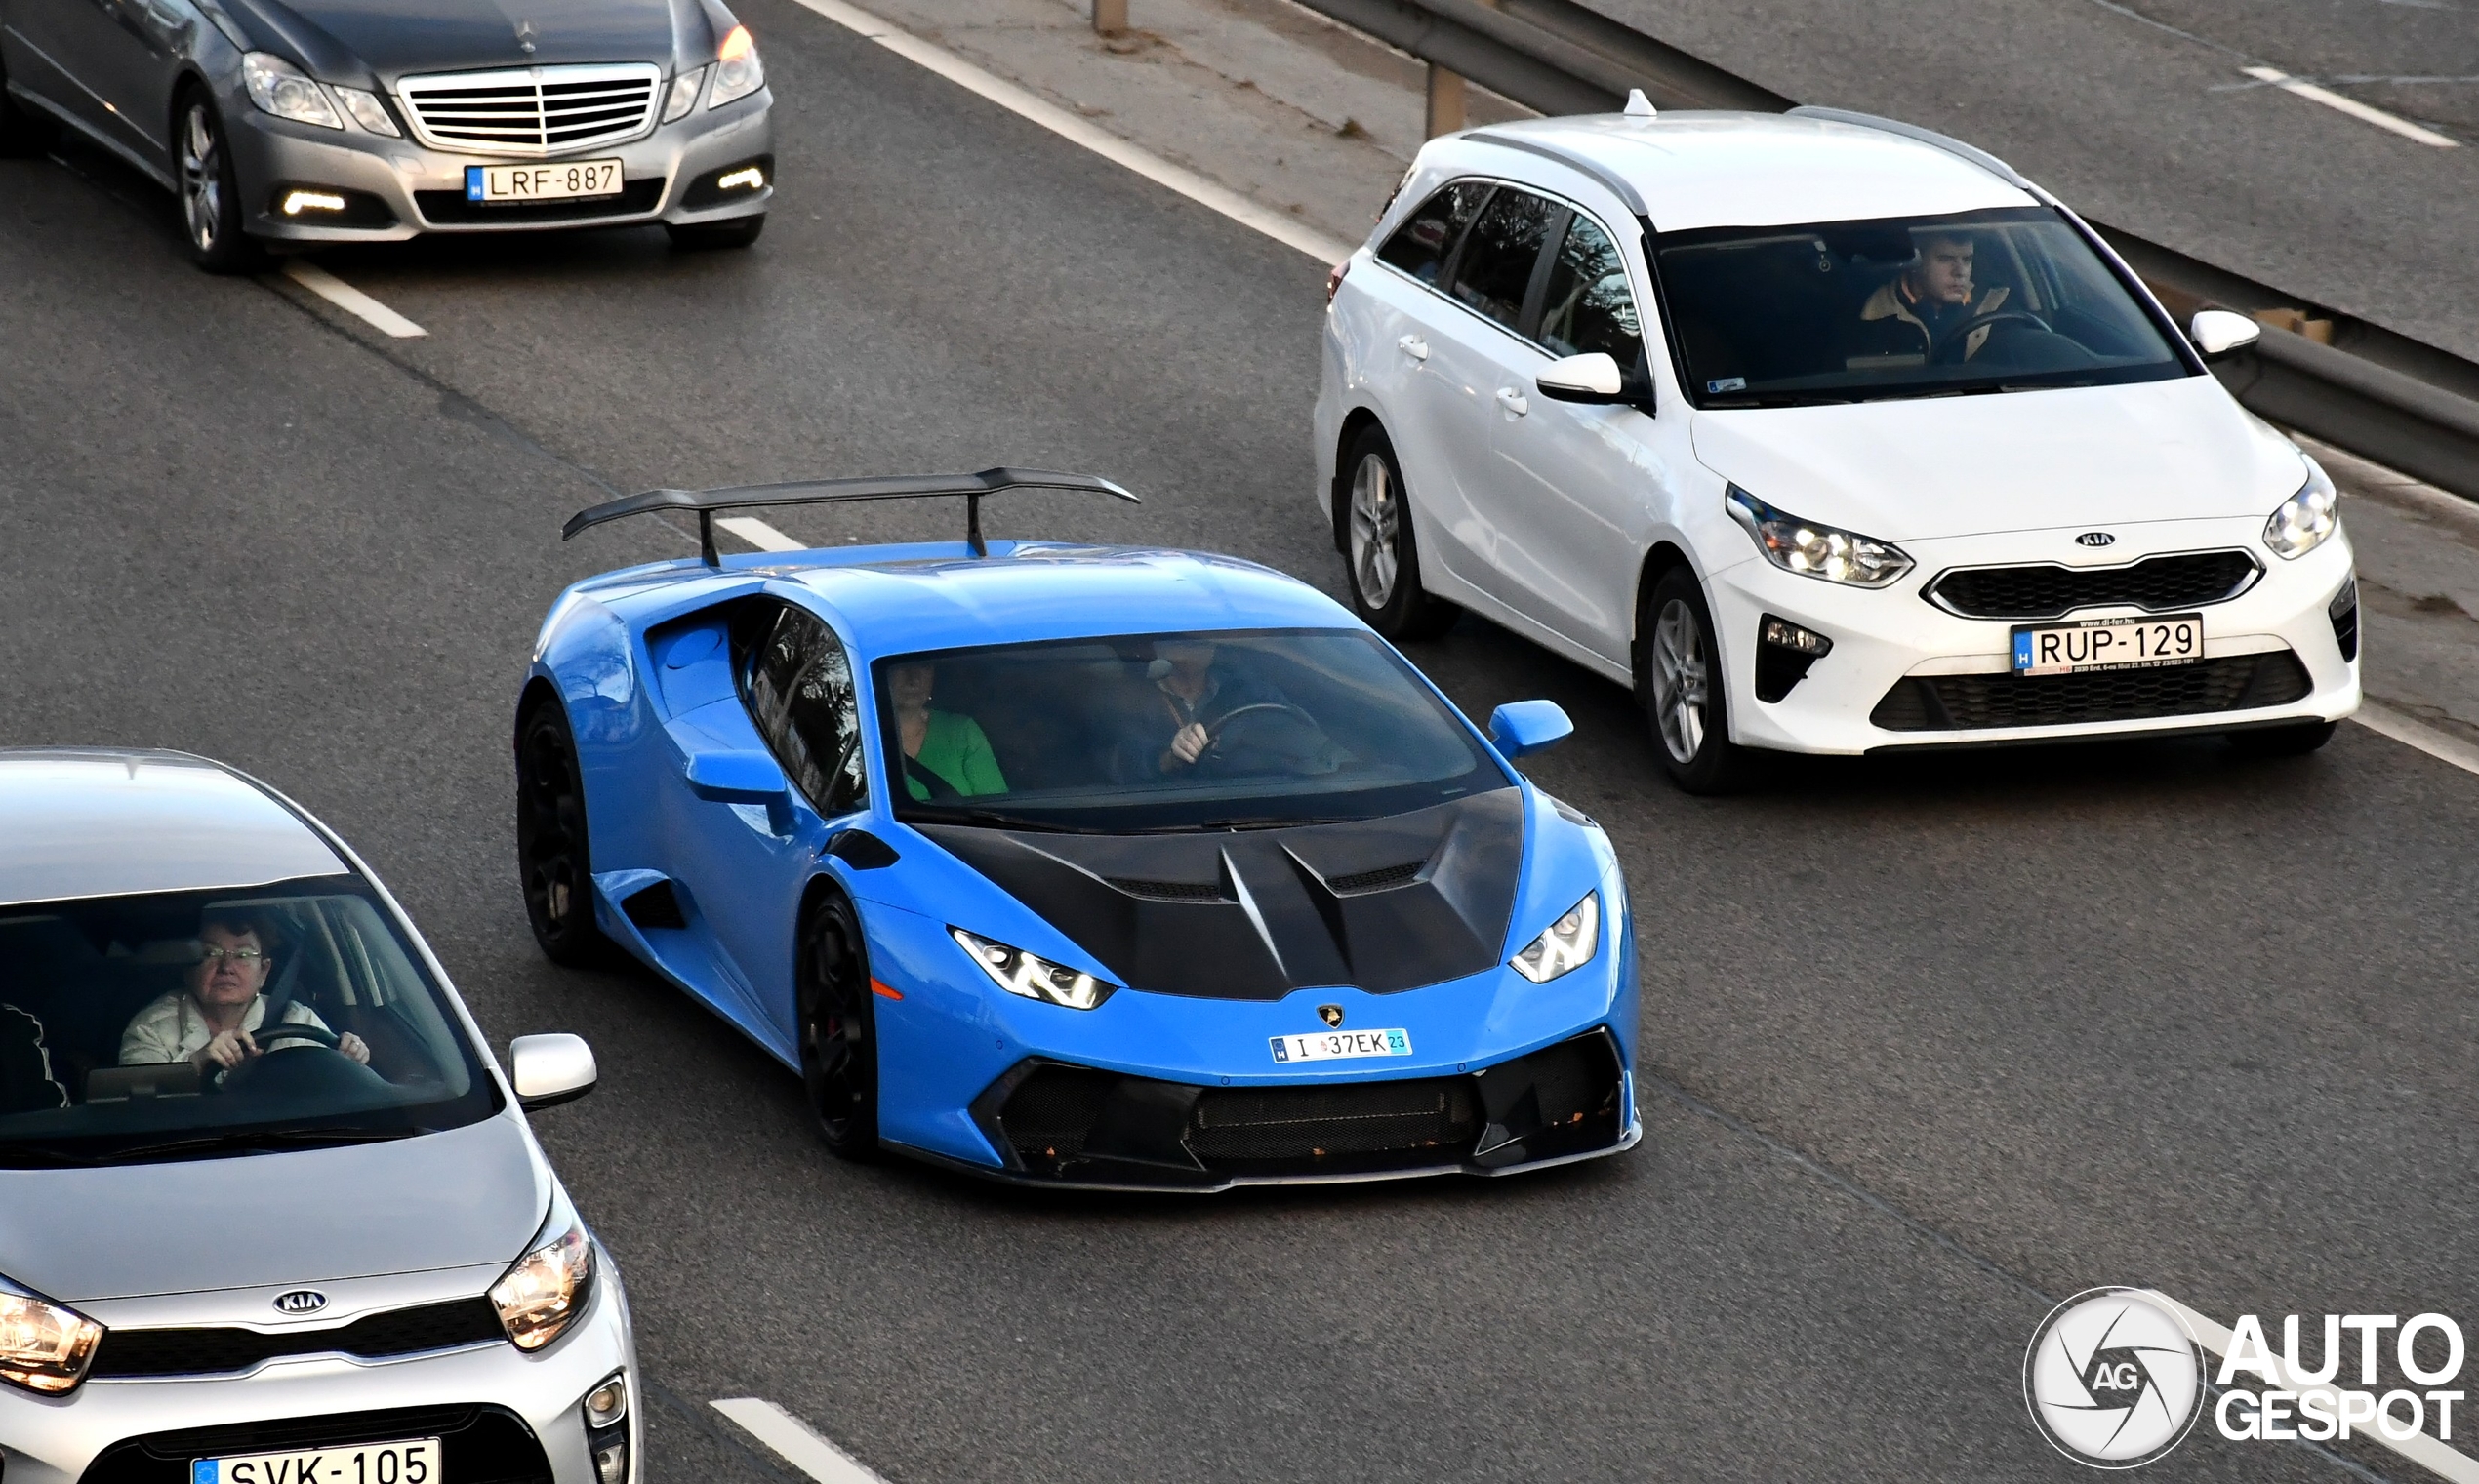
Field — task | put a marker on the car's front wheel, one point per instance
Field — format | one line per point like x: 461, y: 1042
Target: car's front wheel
x: 838, y: 1028
x: 1679, y: 682
x: 210, y: 212
x: 1381, y: 557
x: 701, y: 236
x: 553, y: 860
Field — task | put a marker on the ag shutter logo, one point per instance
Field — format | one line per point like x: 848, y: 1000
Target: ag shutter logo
x: 2112, y: 1379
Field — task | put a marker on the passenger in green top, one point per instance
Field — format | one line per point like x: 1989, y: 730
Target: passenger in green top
x: 945, y: 755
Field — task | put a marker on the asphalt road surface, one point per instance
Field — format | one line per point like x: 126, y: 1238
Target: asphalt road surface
x: 1928, y: 1045
x: 2141, y: 114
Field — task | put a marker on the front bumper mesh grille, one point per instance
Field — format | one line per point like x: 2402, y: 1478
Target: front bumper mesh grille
x: 128, y: 1353
x: 1074, y: 1125
x: 531, y: 111
x: 1970, y: 702
x: 2155, y: 584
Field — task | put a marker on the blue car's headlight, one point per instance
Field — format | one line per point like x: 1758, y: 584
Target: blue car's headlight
x: 1564, y: 945
x: 1035, y: 978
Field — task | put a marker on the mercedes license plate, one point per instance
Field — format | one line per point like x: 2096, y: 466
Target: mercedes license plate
x: 517, y: 184
x: 2108, y: 644
x: 412, y: 1462
x: 1342, y: 1045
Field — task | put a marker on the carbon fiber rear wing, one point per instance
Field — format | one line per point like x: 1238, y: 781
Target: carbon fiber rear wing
x: 821, y: 492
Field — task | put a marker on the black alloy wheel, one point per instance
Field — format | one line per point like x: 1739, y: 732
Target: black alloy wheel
x: 1680, y: 684
x: 2296, y: 740
x: 1381, y: 558
x: 211, y: 209
x: 703, y: 236
x: 552, y: 858
x: 838, y: 1028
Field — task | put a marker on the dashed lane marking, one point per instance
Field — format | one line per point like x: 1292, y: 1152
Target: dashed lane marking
x: 758, y: 534
x: 2435, y: 741
x: 1068, y: 126
x: 352, y: 301
x: 2352, y: 106
x: 795, y: 1441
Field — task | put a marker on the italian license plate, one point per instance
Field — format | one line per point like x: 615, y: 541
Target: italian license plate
x: 1342, y: 1045
x: 413, y: 1462
x: 2109, y: 644
x: 517, y: 184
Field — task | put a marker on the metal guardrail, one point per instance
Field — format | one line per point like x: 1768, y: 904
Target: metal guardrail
x: 2406, y: 405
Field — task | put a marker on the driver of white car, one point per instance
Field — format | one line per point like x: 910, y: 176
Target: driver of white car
x: 1912, y: 313
x: 211, y: 1022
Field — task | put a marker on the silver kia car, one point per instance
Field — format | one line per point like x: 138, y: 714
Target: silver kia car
x: 270, y: 1212
x: 310, y: 121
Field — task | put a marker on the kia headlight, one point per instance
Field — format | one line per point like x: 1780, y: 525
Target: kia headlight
x: 1817, y: 550
x: 44, y: 1346
x: 737, y: 70
x: 368, y: 111
x: 284, y: 89
x: 542, y: 1291
x: 1564, y: 945
x: 2305, y: 519
x: 1035, y: 978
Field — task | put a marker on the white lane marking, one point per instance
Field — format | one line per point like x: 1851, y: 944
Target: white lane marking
x: 795, y: 1441
x: 2435, y: 741
x: 2352, y: 106
x: 758, y: 534
x: 1068, y: 126
x: 2420, y: 1449
x: 352, y: 301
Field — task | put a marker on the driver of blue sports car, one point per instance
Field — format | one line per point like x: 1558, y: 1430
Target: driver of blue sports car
x: 209, y: 1024
x: 1919, y: 309
x: 1201, y: 698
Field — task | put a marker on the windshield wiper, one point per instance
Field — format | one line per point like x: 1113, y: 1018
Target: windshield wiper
x: 1777, y: 399
x: 1246, y: 821
x: 254, y: 1140
x: 1002, y: 819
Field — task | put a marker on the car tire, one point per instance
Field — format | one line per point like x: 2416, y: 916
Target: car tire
x: 209, y: 192
x: 1381, y: 555
x: 707, y: 236
x: 2293, y: 740
x: 23, y: 130
x: 838, y: 1026
x: 1679, y: 683
x: 555, y: 861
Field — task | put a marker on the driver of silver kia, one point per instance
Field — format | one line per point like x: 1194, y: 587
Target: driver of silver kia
x: 212, y: 1023
x: 1918, y: 311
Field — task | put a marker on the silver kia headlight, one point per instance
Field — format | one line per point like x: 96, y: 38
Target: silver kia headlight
x: 284, y: 89
x: 542, y: 1291
x: 44, y: 1346
x: 1817, y: 550
x: 368, y: 111
x: 1035, y: 978
x: 737, y: 70
x: 2305, y: 519
x: 1564, y: 945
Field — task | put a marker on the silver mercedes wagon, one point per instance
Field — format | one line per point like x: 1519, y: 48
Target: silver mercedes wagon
x: 269, y: 1211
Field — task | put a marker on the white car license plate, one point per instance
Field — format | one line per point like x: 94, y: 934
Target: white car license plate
x: 515, y: 184
x: 2109, y: 644
x: 1342, y: 1045
x: 412, y: 1462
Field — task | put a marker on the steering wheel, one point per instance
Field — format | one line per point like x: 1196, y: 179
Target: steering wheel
x: 1951, y: 346
x: 1214, y: 731
x: 295, y: 1032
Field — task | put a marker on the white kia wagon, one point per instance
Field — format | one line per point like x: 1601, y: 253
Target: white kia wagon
x: 1824, y: 433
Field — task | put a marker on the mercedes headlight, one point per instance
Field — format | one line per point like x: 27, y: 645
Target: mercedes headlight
x: 737, y: 70
x: 286, y: 91
x: 683, y: 95
x: 368, y: 111
x: 2305, y: 519
x: 1819, y: 551
x: 44, y: 1346
x: 1564, y: 945
x: 1035, y: 978
x: 542, y: 1291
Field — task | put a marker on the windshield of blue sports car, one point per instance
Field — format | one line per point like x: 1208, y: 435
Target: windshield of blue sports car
x: 188, y: 1024
x: 1857, y: 312
x: 1170, y: 731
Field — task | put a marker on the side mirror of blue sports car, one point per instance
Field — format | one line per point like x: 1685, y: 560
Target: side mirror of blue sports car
x: 735, y: 778
x: 1523, y: 726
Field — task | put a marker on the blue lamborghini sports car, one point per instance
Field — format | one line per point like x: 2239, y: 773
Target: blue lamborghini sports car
x: 1072, y: 864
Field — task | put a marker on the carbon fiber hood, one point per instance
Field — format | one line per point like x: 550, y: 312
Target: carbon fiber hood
x: 1381, y: 904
